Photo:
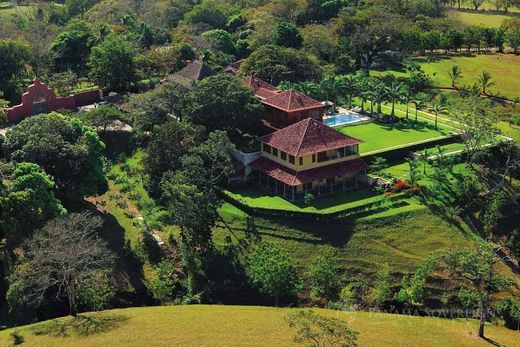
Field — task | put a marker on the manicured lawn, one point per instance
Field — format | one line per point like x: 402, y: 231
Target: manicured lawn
x: 216, y: 325
x: 255, y: 197
x: 381, y: 136
x: 481, y: 18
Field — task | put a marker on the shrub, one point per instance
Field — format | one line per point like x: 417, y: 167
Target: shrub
x: 509, y: 310
x: 163, y: 285
x: 308, y: 198
x: 323, y: 276
x: 273, y: 272
x: 17, y: 338
x: 321, y: 331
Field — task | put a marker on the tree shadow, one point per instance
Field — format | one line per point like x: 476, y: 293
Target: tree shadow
x: 492, y: 342
x: 80, y: 326
x: 128, y: 271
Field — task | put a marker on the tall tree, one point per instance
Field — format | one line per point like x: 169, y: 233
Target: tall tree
x: 59, y: 259
x: 65, y: 148
x: 112, y: 64
x: 420, y: 101
x: 275, y: 64
x: 287, y: 35
x: 26, y: 202
x: 395, y: 92
x: 439, y: 106
x: 476, y: 121
x: 222, y: 102
x: 347, y: 86
x: 476, y: 269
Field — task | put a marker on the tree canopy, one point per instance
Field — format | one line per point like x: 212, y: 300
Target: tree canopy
x: 222, y: 102
x: 64, y: 147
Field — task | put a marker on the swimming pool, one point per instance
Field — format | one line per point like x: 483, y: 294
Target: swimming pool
x: 343, y: 119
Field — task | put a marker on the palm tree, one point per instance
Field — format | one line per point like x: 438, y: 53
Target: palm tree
x: 379, y: 94
x: 424, y: 159
x: 485, y: 81
x: 455, y: 73
x: 361, y: 89
x: 370, y: 94
x: 309, y: 88
x: 439, y: 107
x: 420, y: 100
x: 395, y: 93
x: 330, y: 87
x: 407, y: 98
x: 347, y: 85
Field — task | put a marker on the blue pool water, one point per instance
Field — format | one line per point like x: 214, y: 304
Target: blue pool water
x: 342, y: 119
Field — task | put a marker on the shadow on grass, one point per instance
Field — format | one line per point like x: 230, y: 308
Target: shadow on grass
x: 79, y: 326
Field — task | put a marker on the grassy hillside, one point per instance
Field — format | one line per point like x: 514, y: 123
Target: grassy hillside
x: 242, y: 326
x: 404, y: 241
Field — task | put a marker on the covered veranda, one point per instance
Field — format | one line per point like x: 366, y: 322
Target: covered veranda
x: 293, y: 185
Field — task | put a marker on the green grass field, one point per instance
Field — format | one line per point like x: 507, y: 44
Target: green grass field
x: 378, y: 136
x: 481, y: 18
x: 504, y: 70
x: 203, y: 325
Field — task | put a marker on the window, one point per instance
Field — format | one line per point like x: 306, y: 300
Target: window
x: 323, y: 156
x: 274, y: 152
x: 308, y: 186
x: 283, y: 155
x: 314, y: 158
x: 291, y: 159
x: 300, y: 160
x: 266, y: 148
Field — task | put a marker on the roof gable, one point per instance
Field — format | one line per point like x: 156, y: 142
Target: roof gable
x: 306, y: 137
x: 196, y: 71
x: 292, y: 100
x: 256, y: 83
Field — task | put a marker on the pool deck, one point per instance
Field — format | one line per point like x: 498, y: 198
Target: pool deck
x: 343, y: 111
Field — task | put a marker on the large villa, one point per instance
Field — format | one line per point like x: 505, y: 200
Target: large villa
x: 300, y: 154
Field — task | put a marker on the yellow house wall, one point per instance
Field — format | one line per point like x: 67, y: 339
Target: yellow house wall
x: 307, y: 161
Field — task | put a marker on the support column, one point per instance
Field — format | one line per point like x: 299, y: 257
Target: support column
x: 292, y: 188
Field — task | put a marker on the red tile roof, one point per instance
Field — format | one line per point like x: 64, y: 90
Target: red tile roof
x: 287, y: 100
x: 263, y: 93
x: 255, y: 83
x: 307, y: 137
x: 294, y: 178
x: 291, y: 101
